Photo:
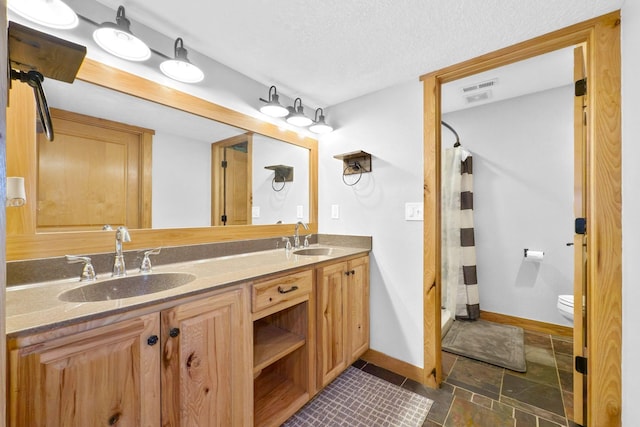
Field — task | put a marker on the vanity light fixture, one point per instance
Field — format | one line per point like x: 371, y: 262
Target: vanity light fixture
x: 296, y: 115
x: 48, y: 13
x: 180, y: 68
x: 117, y: 39
x: 319, y: 125
x: 273, y: 107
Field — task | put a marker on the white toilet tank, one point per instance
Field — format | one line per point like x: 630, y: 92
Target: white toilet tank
x: 565, y: 306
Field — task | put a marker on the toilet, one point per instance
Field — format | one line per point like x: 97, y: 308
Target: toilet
x: 565, y: 306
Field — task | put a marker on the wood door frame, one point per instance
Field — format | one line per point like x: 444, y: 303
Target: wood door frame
x: 216, y: 175
x: 604, y: 275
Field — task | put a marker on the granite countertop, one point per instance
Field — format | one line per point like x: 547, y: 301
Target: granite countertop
x: 37, y: 307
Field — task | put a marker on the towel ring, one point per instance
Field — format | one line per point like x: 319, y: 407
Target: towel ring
x: 352, y: 166
x: 273, y: 184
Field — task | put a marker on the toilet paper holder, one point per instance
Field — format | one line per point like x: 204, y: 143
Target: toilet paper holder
x: 537, y: 253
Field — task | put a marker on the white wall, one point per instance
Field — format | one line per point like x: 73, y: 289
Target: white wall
x: 630, y: 213
x: 523, y: 198
x: 279, y: 205
x: 388, y: 125
x: 181, y: 182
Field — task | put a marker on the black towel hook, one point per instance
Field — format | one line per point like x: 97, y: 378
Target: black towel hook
x: 34, y: 79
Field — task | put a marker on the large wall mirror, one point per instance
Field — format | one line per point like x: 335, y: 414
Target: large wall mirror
x: 174, y: 168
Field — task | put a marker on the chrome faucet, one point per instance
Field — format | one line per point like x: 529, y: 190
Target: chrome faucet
x: 296, y: 236
x: 119, y: 269
x: 88, y: 273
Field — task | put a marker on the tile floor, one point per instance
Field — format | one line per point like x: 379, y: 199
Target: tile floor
x: 478, y: 394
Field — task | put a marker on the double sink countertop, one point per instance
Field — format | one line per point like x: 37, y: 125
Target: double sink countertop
x: 36, y: 307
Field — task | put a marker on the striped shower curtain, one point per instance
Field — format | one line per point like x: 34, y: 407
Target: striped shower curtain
x: 468, y: 306
x: 459, y: 279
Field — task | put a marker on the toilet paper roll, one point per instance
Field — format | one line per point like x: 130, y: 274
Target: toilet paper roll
x: 533, y: 255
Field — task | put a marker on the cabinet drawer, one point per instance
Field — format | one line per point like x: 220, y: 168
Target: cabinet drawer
x: 271, y: 292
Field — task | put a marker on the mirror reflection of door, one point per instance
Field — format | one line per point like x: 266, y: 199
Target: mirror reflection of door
x: 231, y: 181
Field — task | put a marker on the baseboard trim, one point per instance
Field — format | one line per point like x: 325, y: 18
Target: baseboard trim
x: 532, y: 325
x: 394, y: 365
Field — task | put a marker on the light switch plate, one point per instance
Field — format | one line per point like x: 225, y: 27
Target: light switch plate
x: 299, y: 212
x: 335, y: 211
x: 414, y: 211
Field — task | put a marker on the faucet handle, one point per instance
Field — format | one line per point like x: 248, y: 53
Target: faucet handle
x: 288, y: 244
x: 88, y: 273
x: 145, y: 266
x: 306, y: 240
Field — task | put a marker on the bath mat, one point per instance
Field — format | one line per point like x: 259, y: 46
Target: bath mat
x: 500, y: 345
x: 359, y: 399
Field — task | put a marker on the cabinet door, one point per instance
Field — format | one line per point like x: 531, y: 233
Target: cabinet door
x: 357, y: 303
x: 331, y: 322
x: 105, y: 376
x: 206, y: 370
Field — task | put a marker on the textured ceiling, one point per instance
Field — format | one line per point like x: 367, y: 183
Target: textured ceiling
x: 331, y: 51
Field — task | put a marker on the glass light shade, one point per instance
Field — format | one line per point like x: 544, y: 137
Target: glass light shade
x: 320, y: 127
x: 120, y: 43
x: 48, y: 13
x: 274, y: 109
x: 299, y: 119
x: 182, y: 71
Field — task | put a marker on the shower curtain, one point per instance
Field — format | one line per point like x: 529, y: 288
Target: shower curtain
x: 459, y: 278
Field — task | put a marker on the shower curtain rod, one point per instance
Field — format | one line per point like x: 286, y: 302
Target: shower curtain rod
x: 445, y: 124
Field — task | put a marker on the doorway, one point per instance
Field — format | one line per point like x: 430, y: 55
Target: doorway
x: 601, y: 37
x: 231, y: 186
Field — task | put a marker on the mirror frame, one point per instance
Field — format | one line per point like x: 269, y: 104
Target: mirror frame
x: 30, y: 244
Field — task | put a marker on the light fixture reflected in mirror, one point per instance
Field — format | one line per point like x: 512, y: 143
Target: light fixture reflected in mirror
x: 117, y: 39
x: 48, y: 13
x: 16, y: 195
x: 296, y: 115
x: 180, y: 68
x: 319, y: 125
x: 273, y: 107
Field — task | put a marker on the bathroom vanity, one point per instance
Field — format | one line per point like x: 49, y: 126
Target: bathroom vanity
x: 247, y: 342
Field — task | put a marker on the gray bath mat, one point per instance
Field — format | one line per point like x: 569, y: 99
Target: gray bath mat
x: 500, y: 345
x: 359, y: 399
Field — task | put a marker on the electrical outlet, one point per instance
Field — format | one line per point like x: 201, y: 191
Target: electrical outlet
x: 255, y: 212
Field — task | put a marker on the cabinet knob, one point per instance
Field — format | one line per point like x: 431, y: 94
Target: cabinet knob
x: 152, y: 340
x: 353, y: 272
x: 347, y: 273
x: 174, y: 332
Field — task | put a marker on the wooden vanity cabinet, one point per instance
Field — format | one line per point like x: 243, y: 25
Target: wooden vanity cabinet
x: 283, y: 346
x: 108, y: 375
x: 188, y: 365
x: 342, y: 316
x: 205, y: 362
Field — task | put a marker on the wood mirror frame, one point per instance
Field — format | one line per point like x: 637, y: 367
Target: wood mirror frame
x: 30, y: 244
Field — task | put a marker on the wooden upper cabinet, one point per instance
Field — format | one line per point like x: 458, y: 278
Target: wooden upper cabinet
x: 206, y: 365
x: 92, y: 174
x: 100, y: 377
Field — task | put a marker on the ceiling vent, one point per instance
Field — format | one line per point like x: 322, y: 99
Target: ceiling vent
x: 479, y: 86
x: 478, y: 96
